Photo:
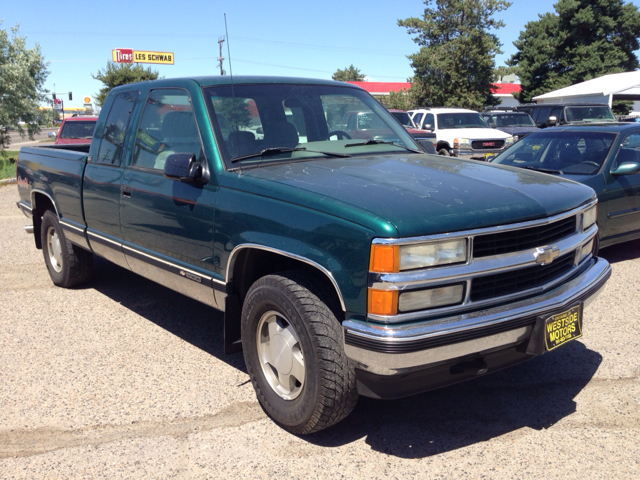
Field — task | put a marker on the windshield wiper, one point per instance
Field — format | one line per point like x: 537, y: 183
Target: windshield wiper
x: 276, y: 150
x: 543, y: 170
x: 381, y: 142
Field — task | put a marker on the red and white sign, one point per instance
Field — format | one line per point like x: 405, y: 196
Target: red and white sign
x: 122, y: 55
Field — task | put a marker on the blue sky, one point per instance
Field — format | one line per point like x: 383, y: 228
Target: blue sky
x: 288, y: 38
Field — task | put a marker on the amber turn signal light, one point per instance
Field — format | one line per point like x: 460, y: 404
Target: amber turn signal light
x: 385, y: 259
x: 383, y: 302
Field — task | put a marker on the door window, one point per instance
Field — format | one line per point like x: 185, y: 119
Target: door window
x: 167, y: 126
x: 430, y: 120
x: 543, y: 116
x: 629, y: 151
x: 115, y: 127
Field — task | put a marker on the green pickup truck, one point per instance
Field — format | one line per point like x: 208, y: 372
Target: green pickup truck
x: 343, y: 266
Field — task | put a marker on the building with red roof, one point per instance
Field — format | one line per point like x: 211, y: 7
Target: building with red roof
x: 501, y: 90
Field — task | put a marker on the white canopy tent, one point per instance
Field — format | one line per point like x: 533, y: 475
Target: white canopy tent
x: 606, y: 89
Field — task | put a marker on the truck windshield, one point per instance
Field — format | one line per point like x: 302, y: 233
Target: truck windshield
x: 79, y: 129
x: 590, y: 114
x: 298, y: 122
x: 570, y: 152
x: 461, y: 120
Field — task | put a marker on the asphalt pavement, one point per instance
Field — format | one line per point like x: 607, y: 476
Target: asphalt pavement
x: 124, y: 378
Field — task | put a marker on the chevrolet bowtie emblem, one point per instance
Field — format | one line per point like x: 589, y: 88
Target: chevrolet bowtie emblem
x: 546, y: 255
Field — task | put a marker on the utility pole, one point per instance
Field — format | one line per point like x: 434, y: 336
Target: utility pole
x: 221, y: 58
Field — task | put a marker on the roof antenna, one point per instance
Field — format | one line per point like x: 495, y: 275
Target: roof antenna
x: 233, y: 95
x: 228, y: 48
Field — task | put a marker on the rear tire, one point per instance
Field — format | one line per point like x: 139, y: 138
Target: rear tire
x: 294, y: 354
x: 68, y: 264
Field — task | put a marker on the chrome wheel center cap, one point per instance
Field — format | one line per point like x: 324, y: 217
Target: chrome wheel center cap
x: 282, y: 354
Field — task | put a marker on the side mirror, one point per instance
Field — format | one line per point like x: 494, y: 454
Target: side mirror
x: 427, y: 126
x: 427, y: 145
x: 627, y: 168
x: 52, y: 134
x: 259, y: 131
x: 552, y: 121
x: 182, y: 166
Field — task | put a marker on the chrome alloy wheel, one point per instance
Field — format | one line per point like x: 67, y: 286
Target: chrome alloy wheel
x: 54, y: 247
x: 280, y: 355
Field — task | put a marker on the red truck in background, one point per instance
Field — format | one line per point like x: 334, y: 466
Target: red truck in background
x: 75, y: 130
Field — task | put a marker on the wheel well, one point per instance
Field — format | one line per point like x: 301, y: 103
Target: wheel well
x: 443, y: 145
x: 252, y: 264
x: 41, y: 203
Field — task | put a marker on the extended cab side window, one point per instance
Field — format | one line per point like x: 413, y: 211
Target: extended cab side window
x: 167, y: 126
x: 115, y: 127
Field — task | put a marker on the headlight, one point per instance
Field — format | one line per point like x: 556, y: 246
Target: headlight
x: 508, y: 141
x: 431, y: 298
x: 433, y: 254
x: 589, y: 217
x: 586, y: 250
x: 394, y: 258
x: 462, y: 143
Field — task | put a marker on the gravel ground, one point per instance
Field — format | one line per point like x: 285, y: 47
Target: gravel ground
x: 126, y: 379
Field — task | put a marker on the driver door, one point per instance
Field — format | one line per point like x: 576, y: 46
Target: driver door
x: 168, y: 225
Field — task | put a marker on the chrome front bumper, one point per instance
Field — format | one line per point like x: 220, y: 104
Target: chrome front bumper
x: 475, y: 154
x: 392, y: 350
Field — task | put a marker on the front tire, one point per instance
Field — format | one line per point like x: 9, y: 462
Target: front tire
x: 68, y: 264
x: 294, y: 354
x: 443, y: 151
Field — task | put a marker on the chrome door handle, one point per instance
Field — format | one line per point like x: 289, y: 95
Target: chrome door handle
x: 125, y: 191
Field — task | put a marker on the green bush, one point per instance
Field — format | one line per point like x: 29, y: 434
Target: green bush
x: 8, y: 164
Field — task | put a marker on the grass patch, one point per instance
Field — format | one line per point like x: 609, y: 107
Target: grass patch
x: 7, y: 166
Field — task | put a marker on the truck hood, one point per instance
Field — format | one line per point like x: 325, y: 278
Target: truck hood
x: 474, y: 133
x: 417, y: 194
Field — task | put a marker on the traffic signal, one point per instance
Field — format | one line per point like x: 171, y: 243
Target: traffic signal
x: 54, y: 97
x: 70, y: 96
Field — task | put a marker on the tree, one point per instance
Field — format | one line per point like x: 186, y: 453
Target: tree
x: 349, y: 74
x: 117, y: 74
x: 455, y: 64
x: 583, y: 39
x: 23, y: 72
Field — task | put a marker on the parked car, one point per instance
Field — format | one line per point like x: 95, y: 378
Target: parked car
x: 343, y: 266
x: 404, y: 118
x: 552, y: 114
x: 605, y: 157
x: 461, y: 132
x: 76, y: 130
x: 365, y: 124
x: 517, y: 124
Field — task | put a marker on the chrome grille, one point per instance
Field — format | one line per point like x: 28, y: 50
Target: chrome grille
x: 518, y: 240
x: 514, y: 281
x: 480, y: 144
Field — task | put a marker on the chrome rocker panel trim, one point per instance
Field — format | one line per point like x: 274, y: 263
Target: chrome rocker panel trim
x: 460, y: 335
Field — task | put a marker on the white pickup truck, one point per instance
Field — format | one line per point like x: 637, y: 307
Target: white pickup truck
x: 461, y: 133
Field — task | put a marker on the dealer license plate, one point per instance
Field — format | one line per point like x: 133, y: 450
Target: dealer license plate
x: 563, y: 327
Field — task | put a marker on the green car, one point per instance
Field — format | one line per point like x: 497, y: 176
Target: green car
x: 604, y: 157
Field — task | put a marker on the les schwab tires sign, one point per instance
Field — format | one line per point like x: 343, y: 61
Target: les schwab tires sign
x: 129, y: 55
